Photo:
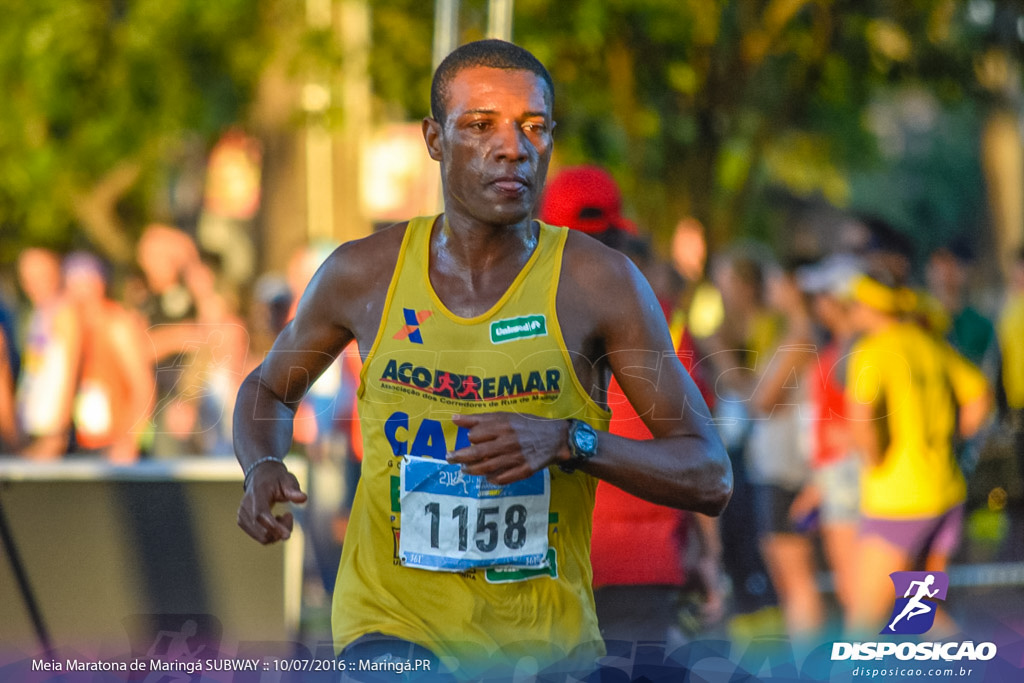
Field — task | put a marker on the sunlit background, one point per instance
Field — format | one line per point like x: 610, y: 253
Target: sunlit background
x: 268, y: 131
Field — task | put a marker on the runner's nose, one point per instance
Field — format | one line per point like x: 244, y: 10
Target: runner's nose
x: 511, y: 141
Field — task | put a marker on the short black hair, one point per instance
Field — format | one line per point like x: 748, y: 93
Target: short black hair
x: 492, y: 53
x: 885, y: 237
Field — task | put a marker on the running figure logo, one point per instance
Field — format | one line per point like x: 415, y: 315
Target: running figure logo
x: 914, y: 613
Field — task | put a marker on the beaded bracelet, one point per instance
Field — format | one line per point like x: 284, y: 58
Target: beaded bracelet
x: 252, y: 468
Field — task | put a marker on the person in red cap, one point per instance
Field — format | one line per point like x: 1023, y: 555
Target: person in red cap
x: 637, y: 548
x: 587, y: 198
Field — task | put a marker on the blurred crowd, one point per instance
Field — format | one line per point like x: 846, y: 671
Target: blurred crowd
x: 856, y: 389
x: 143, y: 363
x: 855, y: 397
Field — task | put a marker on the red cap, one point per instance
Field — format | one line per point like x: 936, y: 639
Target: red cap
x: 584, y: 198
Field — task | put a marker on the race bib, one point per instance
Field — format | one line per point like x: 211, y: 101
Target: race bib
x: 453, y: 521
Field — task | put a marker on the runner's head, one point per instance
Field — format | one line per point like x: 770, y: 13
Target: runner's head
x: 492, y: 133
x: 491, y: 53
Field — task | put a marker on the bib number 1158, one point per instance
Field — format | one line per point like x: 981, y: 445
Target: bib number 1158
x: 486, y: 534
x: 452, y: 521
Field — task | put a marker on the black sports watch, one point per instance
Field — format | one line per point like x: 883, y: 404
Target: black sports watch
x: 582, y: 445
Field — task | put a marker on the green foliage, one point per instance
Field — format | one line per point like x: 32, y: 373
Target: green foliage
x: 400, y: 67
x: 92, y: 86
x: 932, y: 184
x: 699, y: 106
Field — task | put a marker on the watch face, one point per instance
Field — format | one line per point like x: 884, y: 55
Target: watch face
x: 586, y: 440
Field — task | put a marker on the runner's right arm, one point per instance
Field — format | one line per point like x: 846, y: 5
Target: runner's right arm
x: 342, y: 302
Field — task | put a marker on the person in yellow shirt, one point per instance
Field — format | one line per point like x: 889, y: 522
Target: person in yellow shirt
x: 907, y: 393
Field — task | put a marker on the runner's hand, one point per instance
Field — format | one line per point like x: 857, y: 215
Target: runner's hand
x: 271, y: 483
x: 509, y: 447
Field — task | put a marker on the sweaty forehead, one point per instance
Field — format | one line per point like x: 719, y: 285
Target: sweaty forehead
x: 511, y: 91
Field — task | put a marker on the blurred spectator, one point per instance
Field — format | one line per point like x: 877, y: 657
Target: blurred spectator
x: 732, y: 355
x: 968, y: 331
x: 835, y: 485
x: 637, y: 548
x: 889, y: 252
x: 268, y: 314
x: 587, y: 198
x: 230, y: 203
x: 778, y: 461
x: 907, y: 394
x: 165, y: 254
x: 115, y: 382
x: 218, y: 364
x: 50, y: 361
x: 699, y: 299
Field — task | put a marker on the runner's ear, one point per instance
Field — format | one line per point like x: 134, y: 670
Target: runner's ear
x: 432, y: 136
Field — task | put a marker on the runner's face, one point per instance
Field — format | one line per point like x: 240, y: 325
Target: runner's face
x: 495, y: 145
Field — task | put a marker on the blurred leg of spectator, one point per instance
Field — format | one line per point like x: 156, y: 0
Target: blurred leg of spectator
x: 893, y: 545
x: 752, y: 591
x: 789, y: 556
x: 839, y: 483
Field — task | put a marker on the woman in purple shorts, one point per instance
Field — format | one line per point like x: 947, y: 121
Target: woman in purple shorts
x: 907, y: 393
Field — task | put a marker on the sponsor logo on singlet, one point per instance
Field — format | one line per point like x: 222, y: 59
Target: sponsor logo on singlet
x: 411, y: 329
x: 522, y: 327
x: 465, y: 387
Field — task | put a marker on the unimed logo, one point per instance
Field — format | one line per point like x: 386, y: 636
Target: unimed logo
x: 914, y: 612
x: 523, y: 327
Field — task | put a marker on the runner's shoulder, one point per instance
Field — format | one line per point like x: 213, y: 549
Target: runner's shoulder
x: 364, y: 264
x: 601, y: 273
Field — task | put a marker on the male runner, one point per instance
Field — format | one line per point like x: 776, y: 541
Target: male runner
x: 526, y: 320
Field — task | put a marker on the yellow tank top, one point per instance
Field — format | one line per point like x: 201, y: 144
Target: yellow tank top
x: 915, y: 384
x: 427, y: 364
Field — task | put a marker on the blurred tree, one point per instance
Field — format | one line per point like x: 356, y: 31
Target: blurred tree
x: 931, y: 178
x: 102, y: 96
x: 708, y: 101
x: 698, y: 105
